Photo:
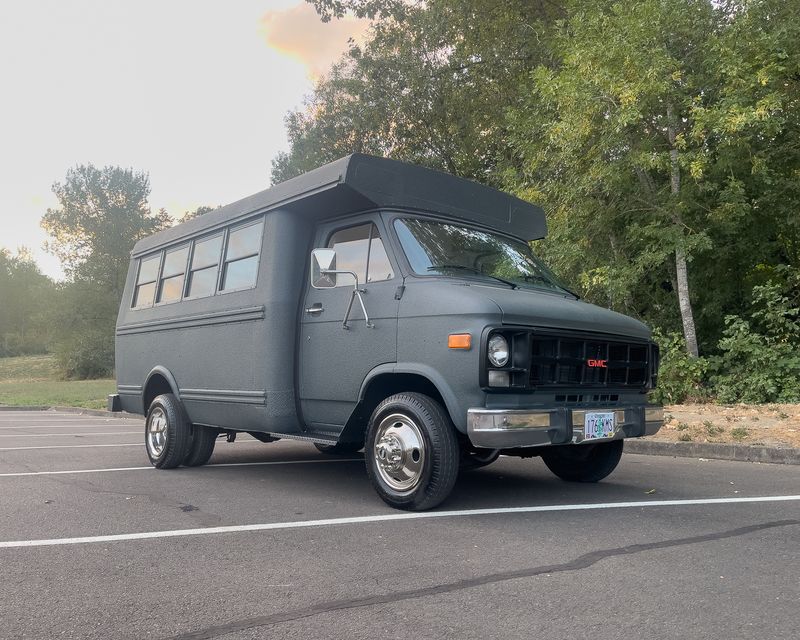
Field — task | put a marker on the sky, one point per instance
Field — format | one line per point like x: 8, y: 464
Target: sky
x: 194, y: 92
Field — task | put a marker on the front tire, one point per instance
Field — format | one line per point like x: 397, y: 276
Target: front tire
x: 411, y: 452
x: 167, y: 432
x: 583, y: 462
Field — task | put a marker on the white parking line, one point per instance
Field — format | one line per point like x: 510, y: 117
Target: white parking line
x: 272, y: 526
x: 73, y: 446
x: 66, y: 426
x: 220, y: 464
x: 62, y: 435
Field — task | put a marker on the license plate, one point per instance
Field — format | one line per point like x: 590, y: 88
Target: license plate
x: 598, y: 425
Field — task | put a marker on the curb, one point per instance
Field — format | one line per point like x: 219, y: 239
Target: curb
x: 717, y: 451
x: 77, y: 410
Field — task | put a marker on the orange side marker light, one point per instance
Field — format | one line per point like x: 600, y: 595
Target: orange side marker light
x: 459, y: 340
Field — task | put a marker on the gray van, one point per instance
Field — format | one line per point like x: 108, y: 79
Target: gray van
x: 377, y: 305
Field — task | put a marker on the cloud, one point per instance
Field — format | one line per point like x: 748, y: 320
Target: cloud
x: 299, y: 33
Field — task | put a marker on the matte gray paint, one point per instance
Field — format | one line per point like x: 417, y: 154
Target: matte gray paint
x: 252, y: 360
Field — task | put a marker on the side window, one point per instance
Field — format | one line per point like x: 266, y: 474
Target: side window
x: 145, y: 290
x: 170, y: 286
x: 360, y: 250
x: 205, y: 264
x: 241, y: 257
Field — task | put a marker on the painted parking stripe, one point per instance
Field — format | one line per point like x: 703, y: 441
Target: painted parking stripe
x: 151, y: 468
x: 80, y: 425
x: 63, y: 435
x: 73, y: 446
x: 273, y: 526
x: 68, y: 426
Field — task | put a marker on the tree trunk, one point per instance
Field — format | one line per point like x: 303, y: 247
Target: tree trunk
x: 685, y: 303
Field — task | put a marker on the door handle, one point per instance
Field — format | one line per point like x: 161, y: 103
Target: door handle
x: 315, y: 308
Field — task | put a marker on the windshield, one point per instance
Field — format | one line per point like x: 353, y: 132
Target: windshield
x: 449, y: 249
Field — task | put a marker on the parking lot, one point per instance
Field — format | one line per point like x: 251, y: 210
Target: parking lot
x: 278, y: 540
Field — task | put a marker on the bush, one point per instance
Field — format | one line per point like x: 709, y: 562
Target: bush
x: 87, y: 355
x: 760, y: 357
x: 680, y: 376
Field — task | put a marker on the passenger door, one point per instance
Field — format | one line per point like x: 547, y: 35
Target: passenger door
x: 334, y: 361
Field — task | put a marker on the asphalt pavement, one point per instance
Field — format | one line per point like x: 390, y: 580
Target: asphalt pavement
x: 280, y: 541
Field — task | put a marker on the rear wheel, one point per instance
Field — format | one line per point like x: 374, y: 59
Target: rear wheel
x: 340, y: 448
x: 411, y: 452
x: 201, y: 446
x: 167, y: 432
x: 583, y: 462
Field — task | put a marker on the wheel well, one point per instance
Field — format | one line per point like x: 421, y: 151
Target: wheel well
x: 156, y: 385
x: 380, y: 388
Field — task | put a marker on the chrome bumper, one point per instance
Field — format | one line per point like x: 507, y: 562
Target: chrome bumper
x: 510, y: 428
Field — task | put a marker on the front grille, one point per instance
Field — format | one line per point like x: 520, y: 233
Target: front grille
x: 565, y: 361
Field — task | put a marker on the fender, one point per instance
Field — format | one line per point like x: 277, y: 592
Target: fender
x: 457, y: 413
x: 165, y: 373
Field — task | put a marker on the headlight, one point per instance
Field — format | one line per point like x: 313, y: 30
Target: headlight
x: 497, y: 351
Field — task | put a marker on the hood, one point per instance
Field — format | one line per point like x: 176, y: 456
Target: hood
x: 535, y: 308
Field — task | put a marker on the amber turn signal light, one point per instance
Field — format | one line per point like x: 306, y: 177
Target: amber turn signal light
x: 459, y: 341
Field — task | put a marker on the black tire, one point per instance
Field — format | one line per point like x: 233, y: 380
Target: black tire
x: 167, y: 450
x: 340, y: 448
x: 201, y: 446
x: 583, y: 462
x: 435, y: 460
x: 472, y: 460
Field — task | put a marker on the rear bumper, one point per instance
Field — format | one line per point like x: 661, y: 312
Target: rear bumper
x: 510, y: 428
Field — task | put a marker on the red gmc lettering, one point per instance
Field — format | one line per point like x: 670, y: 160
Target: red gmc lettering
x: 597, y: 363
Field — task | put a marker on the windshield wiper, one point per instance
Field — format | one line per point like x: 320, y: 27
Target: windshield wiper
x: 473, y: 270
x: 550, y: 284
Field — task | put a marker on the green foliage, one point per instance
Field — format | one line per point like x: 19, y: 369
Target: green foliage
x: 431, y: 85
x: 101, y: 214
x: 680, y: 376
x: 85, y: 335
x: 25, y: 294
x: 760, y: 356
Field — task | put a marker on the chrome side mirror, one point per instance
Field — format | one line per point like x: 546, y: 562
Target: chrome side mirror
x: 323, y: 276
x: 323, y: 268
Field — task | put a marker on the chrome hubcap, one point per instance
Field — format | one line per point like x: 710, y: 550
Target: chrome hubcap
x: 400, y: 452
x: 156, y: 431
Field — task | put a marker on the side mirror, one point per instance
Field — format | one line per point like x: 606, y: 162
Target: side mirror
x: 323, y: 268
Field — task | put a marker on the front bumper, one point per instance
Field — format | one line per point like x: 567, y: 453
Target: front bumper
x: 510, y: 428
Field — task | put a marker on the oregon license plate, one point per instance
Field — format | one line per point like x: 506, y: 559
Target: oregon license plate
x: 598, y: 425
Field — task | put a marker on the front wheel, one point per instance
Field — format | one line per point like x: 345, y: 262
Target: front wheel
x: 583, y: 462
x: 411, y: 452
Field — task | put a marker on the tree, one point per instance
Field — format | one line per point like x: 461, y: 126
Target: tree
x: 196, y: 213
x: 25, y: 296
x: 631, y: 141
x: 430, y: 86
x: 101, y: 214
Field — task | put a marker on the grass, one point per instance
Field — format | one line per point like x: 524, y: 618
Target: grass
x: 34, y: 380
x: 739, y: 433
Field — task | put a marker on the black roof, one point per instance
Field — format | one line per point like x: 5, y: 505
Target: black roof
x: 360, y: 182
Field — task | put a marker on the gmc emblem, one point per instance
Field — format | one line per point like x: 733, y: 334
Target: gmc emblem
x: 597, y: 363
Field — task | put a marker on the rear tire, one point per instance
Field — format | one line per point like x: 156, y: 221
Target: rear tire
x: 583, y: 462
x: 340, y: 448
x: 167, y: 432
x: 201, y: 447
x: 411, y: 452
